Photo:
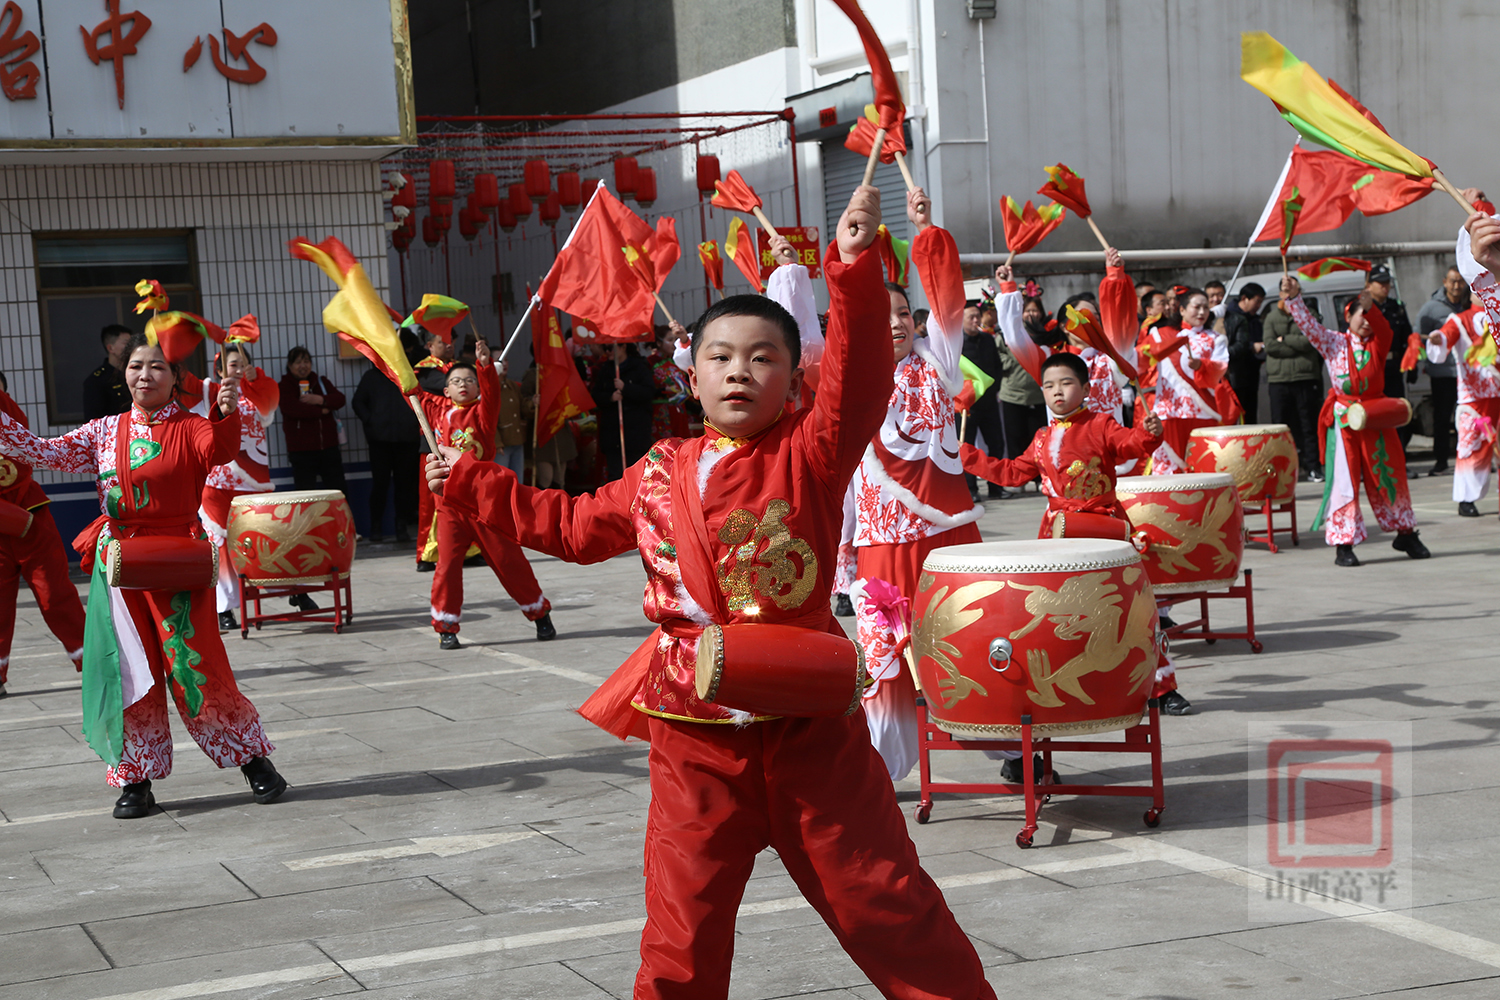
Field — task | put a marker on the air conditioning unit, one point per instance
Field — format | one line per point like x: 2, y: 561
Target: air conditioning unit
x: 981, y: 9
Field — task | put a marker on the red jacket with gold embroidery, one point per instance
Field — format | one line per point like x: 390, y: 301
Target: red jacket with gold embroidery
x: 730, y: 531
x: 16, y: 484
x: 1076, y: 458
x: 468, y: 428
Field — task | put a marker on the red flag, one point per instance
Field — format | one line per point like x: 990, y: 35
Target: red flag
x: 1332, y: 186
x: 1329, y: 265
x: 599, y: 272
x: 1026, y: 227
x: 245, y: 330
x: 713, y: 264
x: 179, y: 333
x: 560, y: 388
x: 1290, y: 209
x: 734, y: 194
x: 888, y: 103
x: 1066, y: 188
x: 741, y: 249
x: 862, y: 135
x: 1084, y: 325
x: 664, y: 250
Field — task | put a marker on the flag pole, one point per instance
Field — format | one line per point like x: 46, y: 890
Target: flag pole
x: 664, y: 309
x: 519, y: 327
x: 911, y: 183
x: 765, y: 224
x: 416, y: 406
x: 1102, y: 241
x: 1447, y: 186
x: 620, y: 405
x: 1265, y: 214
x: 874, y: 157
x: 536, y: 423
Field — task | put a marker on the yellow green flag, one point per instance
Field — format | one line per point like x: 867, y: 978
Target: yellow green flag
x: 1319, y: 110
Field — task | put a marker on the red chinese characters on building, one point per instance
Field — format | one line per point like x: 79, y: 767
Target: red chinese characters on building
x: 119, y: 45
x: 234, y: 47
x: 18, y: 74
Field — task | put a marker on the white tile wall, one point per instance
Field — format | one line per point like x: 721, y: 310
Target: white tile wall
x: 242, y: 214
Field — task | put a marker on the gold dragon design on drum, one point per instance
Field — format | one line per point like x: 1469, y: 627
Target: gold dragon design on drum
x: 284, y: 541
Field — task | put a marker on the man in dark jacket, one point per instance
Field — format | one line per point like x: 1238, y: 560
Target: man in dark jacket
x: 1247, y: 348
x: 623, y: 381
x: 392, y: 432
x: 1394, y: 311
x: 1294, y: 373
x: 1451, y: 298
x: 984, y: 416
x: 104, y: 389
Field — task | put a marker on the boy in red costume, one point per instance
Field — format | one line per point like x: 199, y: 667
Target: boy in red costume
x: 36, y: 554
x: 746, y: 531
x: 464, y: 419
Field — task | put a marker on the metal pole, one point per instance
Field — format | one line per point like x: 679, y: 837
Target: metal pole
x: 791, y: 135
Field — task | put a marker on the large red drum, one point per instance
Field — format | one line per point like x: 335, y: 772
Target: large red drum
x: 1261, y: 458
x: 303, y: 536
x: 1063, y: 630
x: 1195, y: 527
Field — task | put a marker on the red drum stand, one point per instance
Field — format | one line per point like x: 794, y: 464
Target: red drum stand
x: 1141, y: 739
x: 1199, y: 628
x: 1269, y: 508
x: 341, y: 614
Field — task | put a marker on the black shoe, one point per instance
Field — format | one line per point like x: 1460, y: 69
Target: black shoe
x: 1466, y: 508
x: 1000, y: 493
x: 1409, y: 543
x: 423, y: 566
x: 302, y: 602
x: 449, y: 640
x: 2, y: 690
x: 1344, y: 556
x: 265, y: 784
x: 1438, y: 470
x: 1012, y: 771
x: 974, y: 496
x: 1166, y: 621
x: 842, y: 606
x: 1314, y: 476
x: 227, y: 622
x: 476, y: 560
x: 1412, y: 473
x: 1173, y: 703
x: 545, y: 630
x: 135, y: 801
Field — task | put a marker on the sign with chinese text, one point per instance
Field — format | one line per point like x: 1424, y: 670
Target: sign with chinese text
x: 803, y: 240
x: 204, y: 72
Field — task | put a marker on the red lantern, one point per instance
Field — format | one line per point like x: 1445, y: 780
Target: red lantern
x: 708, y: 172
x: 431, y: 234
x: 487, y: 192
x: 626, y: 175
x: 519, y: 203
x: 590, y: 185
x: 645, y: 187
x: 551, y: 209
x: 538, y: 178
x: 440, y: 184
x: 569, y: 190
x: 468, y: 225
x: 442, y: 216
x: 402, y: 234
x: 406, y: 195
x: 507, y: 216
x: 476, y: 210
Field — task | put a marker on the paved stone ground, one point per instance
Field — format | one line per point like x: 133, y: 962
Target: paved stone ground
x: 454, y: 831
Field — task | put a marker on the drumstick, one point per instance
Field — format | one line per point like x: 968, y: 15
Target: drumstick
x: 426, y: 427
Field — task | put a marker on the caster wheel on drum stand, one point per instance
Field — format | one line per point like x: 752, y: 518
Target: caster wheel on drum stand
x: 244, y: 633
x: 1152, y: 818
x: 923, y: 812
x: 1023, y: 840
x: 1210, y: 641
x: 1256, y: 647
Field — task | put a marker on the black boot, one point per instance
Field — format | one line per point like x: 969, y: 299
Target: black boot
x: 545, y: 630
x: 265, y: 784
x: 135, y: 801
x: 1408, y: 542
x: 448, y: 640
x: 227, y: 622
x: 1344, y: 556
x: 302, y: 602
x: 842, y: 606
x: 1013, y: 771
x: 1173, y: 703
x: 1466, y: 508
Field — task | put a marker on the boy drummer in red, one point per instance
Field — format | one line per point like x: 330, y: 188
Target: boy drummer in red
x: 464, y: 419
x: 742, y: 525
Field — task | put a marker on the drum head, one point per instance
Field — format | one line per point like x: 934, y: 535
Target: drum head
x: 1032, y: 555
x: 1131, y: 485
x: 1239, y: 430
x: 285, y: 496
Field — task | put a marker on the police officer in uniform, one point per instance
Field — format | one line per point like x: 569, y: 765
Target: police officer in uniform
x: 104, y: 391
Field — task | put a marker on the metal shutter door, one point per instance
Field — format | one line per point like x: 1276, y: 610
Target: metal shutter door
x: 842, y: 172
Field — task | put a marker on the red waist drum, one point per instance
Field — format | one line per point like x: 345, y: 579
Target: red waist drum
x: 780, y: 670
x: 1194, y: 526
x: 1081, y: 524
x: 1261, y: 458
x: 1378, y: 414
x: 1063, y: 630
x: 161, y: 562
x: 302, y: 535
x: 15, y: 520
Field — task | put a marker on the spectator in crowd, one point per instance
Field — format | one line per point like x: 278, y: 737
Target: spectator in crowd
x: 512, y: 431
x: 1215, y: 292
x: 104, y: 390
x: 1022, y: 409
x: 308, y: 402
x: 393, y: 434
x: 1247, y: 349
x: 622, y: 381
x: 919, y: 319
x: 984, y: 416
x: 1294, y: 373
x: 1452, y: 298
x: 1394, y: 311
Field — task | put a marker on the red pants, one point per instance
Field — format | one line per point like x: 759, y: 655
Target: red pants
x: 455, y: 534
x: 816, y: 791
x: 42, y: 559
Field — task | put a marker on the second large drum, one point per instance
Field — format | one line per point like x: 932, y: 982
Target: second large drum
x: 1194, y: 525
x: 1062, y: 630
x: 1260, y: 457
x: 286, y: 538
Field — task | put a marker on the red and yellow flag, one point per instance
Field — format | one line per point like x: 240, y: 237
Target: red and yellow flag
x: 1027, y: 226
x: 734, y: 194
x: 356, y: 313
x: 1291, y: 210
x: 862, y: 137
x: 890, y: 109
x: 179, y: 333
x: 1066, y: 188
x: 560, y: 389
x: 740, y: 248
x: 713, y: 264
x: 245, y: 330
x: 439, y: 314
x: 152, y: 297
x: 1330, y: 265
